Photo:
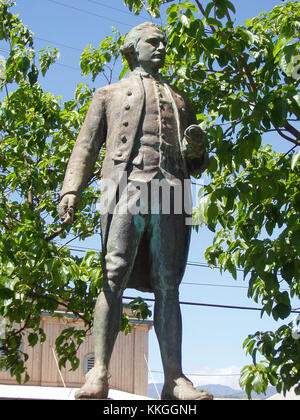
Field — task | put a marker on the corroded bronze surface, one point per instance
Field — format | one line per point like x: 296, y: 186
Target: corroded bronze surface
x: 153, y: 145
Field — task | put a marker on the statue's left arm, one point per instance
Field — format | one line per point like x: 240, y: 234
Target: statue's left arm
x: 194, y: 144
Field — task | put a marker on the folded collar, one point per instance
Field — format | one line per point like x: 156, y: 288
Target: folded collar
x: 144, y: 74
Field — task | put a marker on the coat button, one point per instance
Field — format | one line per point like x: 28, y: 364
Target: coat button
x: 124, y: 140
x: 125, y: 123
x: 127, y: 107
x: 129, y: 93
x: 119, y: 153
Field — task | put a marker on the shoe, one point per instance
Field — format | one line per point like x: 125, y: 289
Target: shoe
x: 95, y: 387
x: 182, y: 389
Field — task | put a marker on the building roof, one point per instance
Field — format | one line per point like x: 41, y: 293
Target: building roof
x: 26, y: 392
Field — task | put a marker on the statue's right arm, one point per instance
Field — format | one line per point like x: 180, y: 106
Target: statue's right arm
x: 82, y: 161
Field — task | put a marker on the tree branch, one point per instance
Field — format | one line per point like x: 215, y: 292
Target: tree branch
x: 292, y: 130
x: 203, y: 13
x: 17, y: 332
x: 279, y: 131
x: 54, y: 234
x: 65, y: 305
x: 281, y: 159
x: 248, y: 73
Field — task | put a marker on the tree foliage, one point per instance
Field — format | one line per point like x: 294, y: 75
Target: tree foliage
x: 37, y: 274
x: 244, y: 82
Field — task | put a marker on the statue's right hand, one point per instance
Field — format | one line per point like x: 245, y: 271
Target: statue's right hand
x: 66, y: 207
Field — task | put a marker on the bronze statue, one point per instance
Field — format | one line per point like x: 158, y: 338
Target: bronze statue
x: 152, y: 137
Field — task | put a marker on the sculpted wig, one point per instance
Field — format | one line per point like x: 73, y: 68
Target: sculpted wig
x: 133, y: 37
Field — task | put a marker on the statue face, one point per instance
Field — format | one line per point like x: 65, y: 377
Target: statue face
x: 151, y: 49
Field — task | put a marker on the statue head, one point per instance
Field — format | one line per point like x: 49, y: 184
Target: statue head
x: 144, y: 46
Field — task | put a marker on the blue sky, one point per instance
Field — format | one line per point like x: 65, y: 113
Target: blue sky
x: 212, y: 337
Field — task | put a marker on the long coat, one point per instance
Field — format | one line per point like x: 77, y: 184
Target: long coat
x: 114, y: 118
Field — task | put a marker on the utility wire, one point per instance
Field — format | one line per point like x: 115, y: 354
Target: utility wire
x: 199, y: 284
x: 195, y: 264
x: 190, y: 263
x: 214, y: 284
x: 118, y: 10
x: 58, y: 43
x: 212, y: 305
x: 201, y: 374
x: 59, y: 64
x: 89, y: 13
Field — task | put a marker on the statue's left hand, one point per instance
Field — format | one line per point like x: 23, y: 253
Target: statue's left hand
x: 66, y: 207
x: 195, y: 134
x: 195, y: 141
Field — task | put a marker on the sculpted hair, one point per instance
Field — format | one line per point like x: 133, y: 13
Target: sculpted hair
x: 132, y: 38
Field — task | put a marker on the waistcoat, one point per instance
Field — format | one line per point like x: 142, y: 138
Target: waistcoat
x: 157, y: 147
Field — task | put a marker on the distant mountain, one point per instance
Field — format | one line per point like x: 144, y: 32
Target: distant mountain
x: 222, y: 391
x: 218, y: 391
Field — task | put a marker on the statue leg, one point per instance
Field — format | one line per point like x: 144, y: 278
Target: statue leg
x: 119, y: 261
x: 169, y: 249
x: 168, y: 328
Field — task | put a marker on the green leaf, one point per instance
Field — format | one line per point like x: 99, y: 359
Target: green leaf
x: 47, y: 57
x: 287, y: 57
x: 236, y: 109
x: 279, y: 112
x: 281, y: 311
x: 185, y: 20
x: 33, y: 75
x: 281, y: 42
x: 258, y: 382
x: 33, y: 339
x: 295, y: 159
x: 6, y: 293
x: 2, y: 67
x: 202, y: 207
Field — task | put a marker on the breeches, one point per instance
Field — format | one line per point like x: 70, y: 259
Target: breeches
x: 146, y: 250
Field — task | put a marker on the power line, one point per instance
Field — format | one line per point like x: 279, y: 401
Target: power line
x: 212, y: 305
x: 200, y: 374
x: 58, y: 43
x: 198, y: 264
x: 67, y: 66
x: 214, y: 284
x: 88, y: 12
x: 115, y: 8
x: 190, y: 263
x: 59, y: 64
x: 83, y: 249
x: 198, y: 284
